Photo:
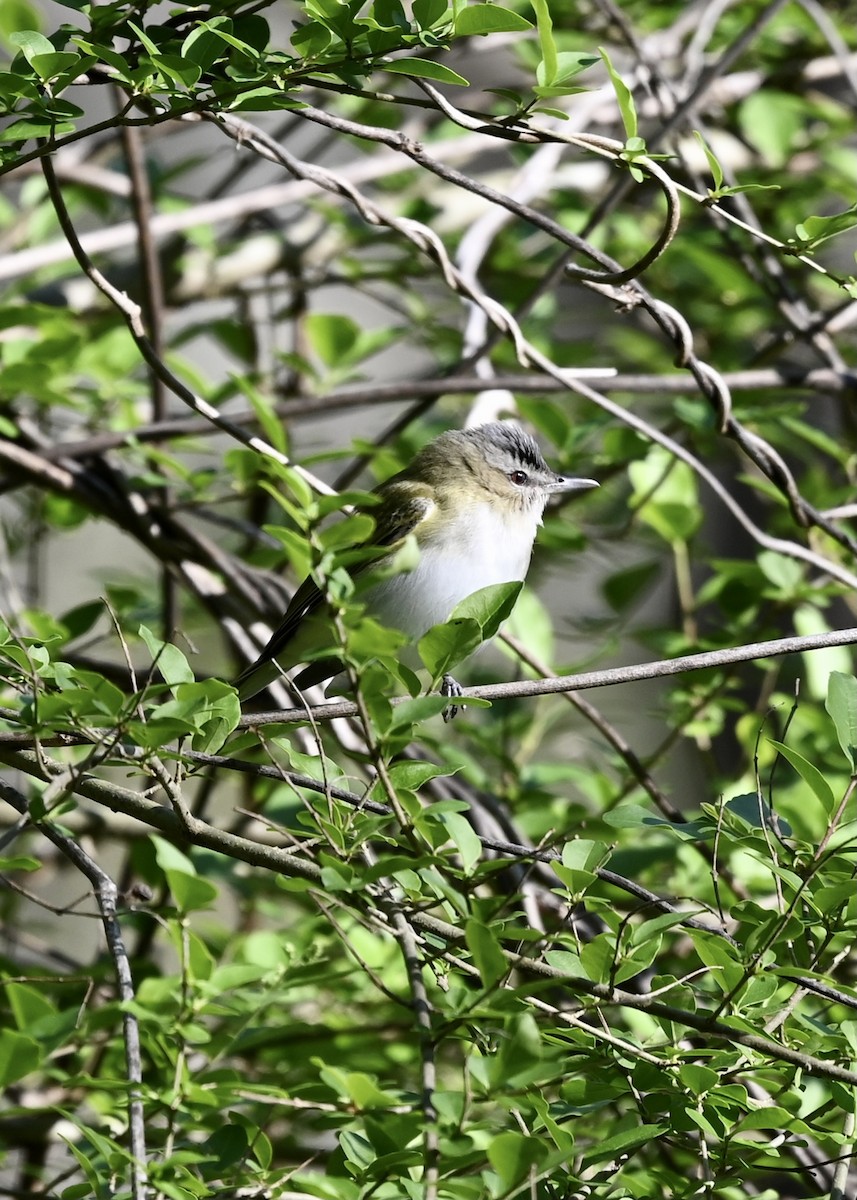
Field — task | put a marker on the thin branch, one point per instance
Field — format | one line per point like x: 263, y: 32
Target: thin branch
x: 609, y: 732
x: 532, y: 216
x: 228, y: 208
x: 515, y: 851
x: 427, y: 241
x: 153, y: 310
x: 108, y: 894
x: 408, y: 944
x: 130, y: 803
x: 277, y: 859
x: 610, y: 677
x: 158, y: 816
x: 133, y: 318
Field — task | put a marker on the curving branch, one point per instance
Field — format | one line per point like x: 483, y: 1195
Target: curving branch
x: 132, y: 314
x: 527, y: 354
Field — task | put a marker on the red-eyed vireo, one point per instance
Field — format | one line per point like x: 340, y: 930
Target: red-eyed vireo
x: 473, y: 499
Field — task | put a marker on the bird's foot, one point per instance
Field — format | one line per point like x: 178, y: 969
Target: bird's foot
x: 451, y: 688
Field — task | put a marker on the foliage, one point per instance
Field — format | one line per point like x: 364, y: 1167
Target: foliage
x: 562, y: 946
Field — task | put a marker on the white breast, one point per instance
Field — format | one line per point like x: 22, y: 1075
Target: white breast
x: 483, y: 549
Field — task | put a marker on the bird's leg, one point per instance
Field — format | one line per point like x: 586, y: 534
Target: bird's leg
x: 451, y: 688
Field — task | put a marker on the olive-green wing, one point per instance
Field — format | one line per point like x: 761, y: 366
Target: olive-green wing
x: 402, y: 507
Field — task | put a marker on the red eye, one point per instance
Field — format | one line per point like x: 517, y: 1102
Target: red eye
x: 519, y: 477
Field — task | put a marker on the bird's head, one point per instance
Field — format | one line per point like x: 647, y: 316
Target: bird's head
x: 498, y: 464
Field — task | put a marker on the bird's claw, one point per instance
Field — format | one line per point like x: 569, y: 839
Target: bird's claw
x: 451, y: 688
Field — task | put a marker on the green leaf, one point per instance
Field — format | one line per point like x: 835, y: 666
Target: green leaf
x: 78, y: 1191
x: 189, y: 891
x: 713, y: 163
x: 444, y: 646
x: 19, y: 862
x: 106, y: 55
x: 666, y: 496
x: 151, y: 46
x: 357, y: 1087
x: 632, y: 816
x: 488, y: 18
x: 202, y: 45
x: 531, y: 624
x: 50, y: 65
x: 767, y: 1117
x: 817, y: 665
x: 19, y: 1055
x: 772, y: 121
x: 413, y: 775
x: 622, y: 1143
x: 218, y: 712
x: 424, y: 68
x: 466, y: 840
x: 567, y: 962
x: 783, y: 572
x: 221, y: 32
x: 311, y: 40
x: 579, y: 860
x: 331, y: 335
x: 757, y: 812
x: 86, y: 1165
x: 262, y: 1149
x: 488, y: 957
x: 626, y: 588
x: 428, y: 13
x: 31, y: 43
x: 170, y: 661
x: 16, y: 15
x: 561, y: 1136
x: 698, y: 1079
x: 263, y: 406
x: 810, y: 774
x: 80, y: 619
x: 28, y: 1005
x: 200, y: 962
x: 226, y: 1145
x: 411, y: 712
x: 841, y: 704
x: 24, y: 130
x: 641, y: 934
x: 179, y: 70
x: 598, y: 958
x: 548, y: 65
x: 353, y: 530
x: 513, y: 1155
x: 357, y: 1149
x: 624, y: 97
x: 567, y: 65
x: 170, y: 858
x: 489, y: 606
x: 813, y: 231
x: 210, y: 710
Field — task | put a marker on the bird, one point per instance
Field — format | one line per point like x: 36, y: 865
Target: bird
x: 473, y: 499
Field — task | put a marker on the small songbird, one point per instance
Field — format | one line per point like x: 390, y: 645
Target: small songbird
x: 473, y: 500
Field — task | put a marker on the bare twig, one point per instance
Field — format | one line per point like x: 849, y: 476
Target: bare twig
x: 107, y: 894
x: 153, y: 310
x: 590, y: 679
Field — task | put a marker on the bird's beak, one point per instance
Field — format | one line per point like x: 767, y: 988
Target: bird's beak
x: 564, y: 483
